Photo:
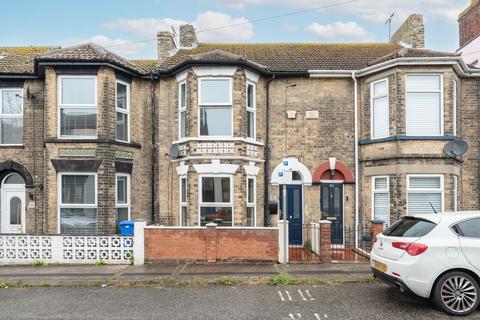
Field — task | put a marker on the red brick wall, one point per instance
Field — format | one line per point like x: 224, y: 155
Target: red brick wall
x: 212, y: 245
x: 469, y: 24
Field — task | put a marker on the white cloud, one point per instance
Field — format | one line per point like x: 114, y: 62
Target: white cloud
x: 221, y: 27
x: 341, y: 32
x: 287, y: 27
x: 378, y: 11
x: 233, y: 4
x: 145, y: 27
x: 115, y: 45
x: 211, y: 27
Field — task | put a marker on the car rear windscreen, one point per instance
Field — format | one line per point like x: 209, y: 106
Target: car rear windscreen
x: 410, y: 227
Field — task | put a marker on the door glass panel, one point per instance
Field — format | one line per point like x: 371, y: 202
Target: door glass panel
x: 296, y: 203
x: 325, y: 199
x: 336, y: 200
x: 14, y: 179
x: 15, y: 210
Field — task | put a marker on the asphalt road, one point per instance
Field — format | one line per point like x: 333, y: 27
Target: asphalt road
x: 352, y: 301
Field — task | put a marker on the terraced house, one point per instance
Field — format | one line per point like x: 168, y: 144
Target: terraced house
x: 222, y: 132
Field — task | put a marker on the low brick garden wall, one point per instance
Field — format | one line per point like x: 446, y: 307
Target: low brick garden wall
x: 211, y: 244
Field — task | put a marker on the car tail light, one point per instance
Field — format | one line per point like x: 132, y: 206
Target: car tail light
x: 413, y: 249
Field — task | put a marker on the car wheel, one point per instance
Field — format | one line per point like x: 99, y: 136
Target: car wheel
x: 456, y: 293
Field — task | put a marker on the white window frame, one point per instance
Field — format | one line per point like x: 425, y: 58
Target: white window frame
x: 75, y: 106
x: 12, y: 116
x: 124, y: 111
x: 123, y: 205
x: 454, y: 106
x: 375, y: 191
x: 373, y: 97
x: 182, y: 204
x: 254, y: 203
x: 253, y: 110
x: 442, y: 107
x: 427, y: 190
x: 69, y: 205
x: 215, y: 204
x: 213, y: 105
x: 182, y: 109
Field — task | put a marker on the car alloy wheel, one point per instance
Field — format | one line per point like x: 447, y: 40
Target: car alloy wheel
x: 459, y: 294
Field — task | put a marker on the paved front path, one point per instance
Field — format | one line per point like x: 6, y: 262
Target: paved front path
x: 156, y: 273
x: 348, y: 301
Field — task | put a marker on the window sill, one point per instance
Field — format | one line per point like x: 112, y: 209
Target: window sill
x: 406, y: 138
x: 220, y: 139
x: 95, y: 140
x: 12, y: 146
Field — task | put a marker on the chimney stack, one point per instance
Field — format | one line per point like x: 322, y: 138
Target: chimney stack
x: 188, y: 37
x: 411, y: 32
x: 469, y: 23
x: 165, y: 45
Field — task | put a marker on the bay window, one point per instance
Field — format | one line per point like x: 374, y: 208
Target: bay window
x: 380, y: 109
x: 381, y: 199
x: 122, y: 111
x: 11, y: 117
x: 216, y: 200
x: 122, y: 198
x: 77, y: 97
x: 182, y: 110
x: 183, y: 201
x: 251, y: 110
x: 251, y: 202
x: 424, y: 105
x: 424, y: 194
x: 77, y: 203
x: 215, y: 107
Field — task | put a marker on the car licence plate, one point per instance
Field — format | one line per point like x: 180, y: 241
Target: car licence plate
x: 380, y: 266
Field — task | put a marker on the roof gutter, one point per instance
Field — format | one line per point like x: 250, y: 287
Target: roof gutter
x: 456, y: 62
x: 89, y: 63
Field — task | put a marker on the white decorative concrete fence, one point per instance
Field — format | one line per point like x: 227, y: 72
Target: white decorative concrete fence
x: 315, y: 237
x: 27, y: 249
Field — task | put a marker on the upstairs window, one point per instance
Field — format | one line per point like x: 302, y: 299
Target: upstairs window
x: 424, y: 101
x: 122, y: 110
x: 380, y: 109
x: 182, y: 110
x: 381, y: 199
x: 251, y: 110
x: 11, y: 117
x: 78, y: 106
x: 424, y: 194
x: 215, y: 104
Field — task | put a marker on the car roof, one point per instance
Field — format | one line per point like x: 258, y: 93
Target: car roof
x: 449, y: 216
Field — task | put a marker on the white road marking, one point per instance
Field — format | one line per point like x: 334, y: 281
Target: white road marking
x: 309, y: 295
x: 292, y: 316
x: 301, y: 294
x: 316, y: 316
x: 281, y: 296
x: 288, y: 295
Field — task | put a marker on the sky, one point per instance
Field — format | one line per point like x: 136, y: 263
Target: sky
x: 128, y: 27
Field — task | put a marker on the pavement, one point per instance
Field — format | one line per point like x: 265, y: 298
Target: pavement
x: 175, y: 274
x: 312, y: 302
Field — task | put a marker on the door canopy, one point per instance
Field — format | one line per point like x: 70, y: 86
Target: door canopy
x: 333, y: 170
x: 289, y: 171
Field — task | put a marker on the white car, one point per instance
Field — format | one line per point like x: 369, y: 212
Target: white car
x: 434, y: 256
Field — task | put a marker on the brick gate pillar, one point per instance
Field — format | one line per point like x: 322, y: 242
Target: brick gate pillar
x: 211, y: 242
x: 377, y: 228
x: 325, y: 240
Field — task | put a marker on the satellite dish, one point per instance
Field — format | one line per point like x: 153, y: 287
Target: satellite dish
x: 455, y: 148
x: 173, y: 153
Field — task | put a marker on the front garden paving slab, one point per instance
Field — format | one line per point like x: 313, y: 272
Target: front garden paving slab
x: 228, y: 270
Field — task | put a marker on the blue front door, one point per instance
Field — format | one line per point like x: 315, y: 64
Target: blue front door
x: 294, y: 213
x: 331, y: 204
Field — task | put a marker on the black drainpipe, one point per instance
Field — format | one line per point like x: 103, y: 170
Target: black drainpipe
x: 266, y: 218
x: 154, y: 145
